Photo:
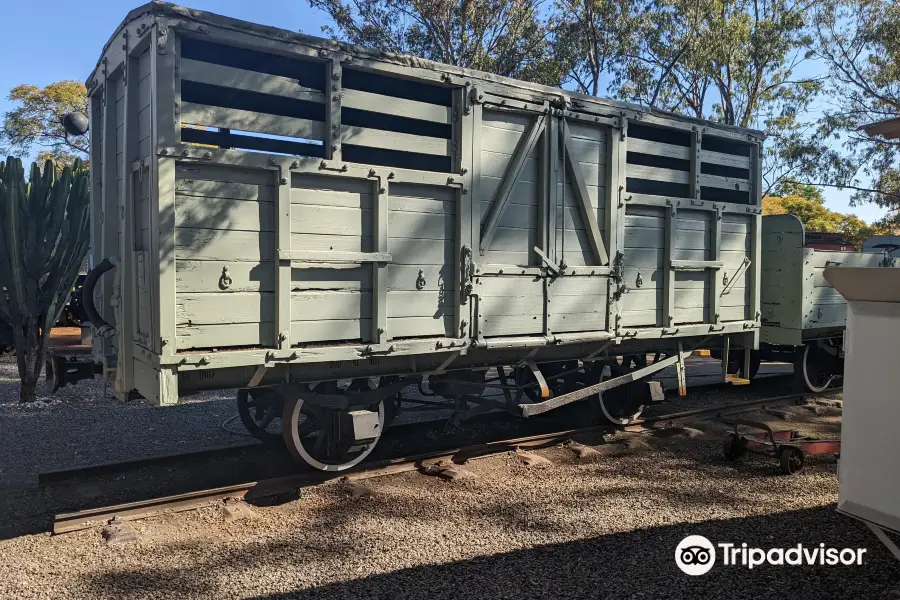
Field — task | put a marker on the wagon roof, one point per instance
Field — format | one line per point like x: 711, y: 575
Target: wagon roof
x: 199, y: 16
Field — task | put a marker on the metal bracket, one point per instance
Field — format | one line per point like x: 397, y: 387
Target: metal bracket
x: 466, y: 274
x: 545, y: 389
x: 225, y: 280
x: 555, y: 269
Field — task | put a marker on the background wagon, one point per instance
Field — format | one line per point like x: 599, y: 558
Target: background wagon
x: 803, y: 316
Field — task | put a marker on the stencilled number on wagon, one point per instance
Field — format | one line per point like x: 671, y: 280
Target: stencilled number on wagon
x: 207, y: 375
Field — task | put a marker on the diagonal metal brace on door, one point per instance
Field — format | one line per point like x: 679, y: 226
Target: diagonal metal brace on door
x: 587, y: 210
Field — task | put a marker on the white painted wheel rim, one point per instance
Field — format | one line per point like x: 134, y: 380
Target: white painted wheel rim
x: 806, y: 378
x: 295, y: 444
x: 612, y: 419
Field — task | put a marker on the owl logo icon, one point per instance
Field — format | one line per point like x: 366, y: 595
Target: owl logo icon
x: 695, y: 555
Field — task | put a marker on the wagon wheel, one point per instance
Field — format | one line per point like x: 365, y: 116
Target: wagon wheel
x: 815, y: 368
x: 315, y: 435
x: 792, y: 460
x: 260, y: 412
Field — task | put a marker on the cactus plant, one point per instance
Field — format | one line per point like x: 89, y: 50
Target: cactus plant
x: 44, y: 236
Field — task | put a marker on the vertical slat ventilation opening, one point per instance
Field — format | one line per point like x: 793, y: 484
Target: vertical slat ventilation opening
x: 251, y: 100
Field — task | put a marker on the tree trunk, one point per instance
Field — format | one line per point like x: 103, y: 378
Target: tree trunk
x: 31, y: 350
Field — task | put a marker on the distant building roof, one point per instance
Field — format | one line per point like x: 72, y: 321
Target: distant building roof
x: 888, y: 129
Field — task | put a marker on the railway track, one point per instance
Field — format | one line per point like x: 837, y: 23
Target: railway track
x: 254, y: 490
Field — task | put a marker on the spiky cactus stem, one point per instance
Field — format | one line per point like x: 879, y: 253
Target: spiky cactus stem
x: 44, y: 236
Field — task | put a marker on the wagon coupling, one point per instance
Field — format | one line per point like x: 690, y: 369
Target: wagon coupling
x: 104, y: 329
x: 786, y: 445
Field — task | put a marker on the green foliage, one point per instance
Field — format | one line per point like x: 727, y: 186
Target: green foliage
x: 859, y: 41
x: 44, y: 237
x: 732, y: 61
x: 806, y: 203
x: 37, y: 120
x: 591, y: 38
x: 506, y: 37
x: 803, y: 190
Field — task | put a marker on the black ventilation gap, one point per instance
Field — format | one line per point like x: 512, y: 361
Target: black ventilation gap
x: 725, y: 146
x: 395, y: 158
x: 399, y: 88
x: 724, y: 171
x: 308, y: 73
x: 653, y: 160
x: 658, y: 134
x: 374, y: 120
x: 715, y: 194
x: 657, y: 188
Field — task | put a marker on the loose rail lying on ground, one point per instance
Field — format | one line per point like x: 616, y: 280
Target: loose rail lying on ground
x: 75, y: 521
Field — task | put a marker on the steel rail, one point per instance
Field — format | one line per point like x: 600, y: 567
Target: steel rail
x: 84, y: 519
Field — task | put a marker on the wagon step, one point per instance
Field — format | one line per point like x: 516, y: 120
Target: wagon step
x: 736, y: 380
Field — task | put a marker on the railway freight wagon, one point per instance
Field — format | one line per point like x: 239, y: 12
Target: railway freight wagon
x: 803, y: 316
x: 285, y: 214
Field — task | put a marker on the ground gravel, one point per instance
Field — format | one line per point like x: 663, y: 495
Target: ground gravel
x: 602, y: 526
x: 84, y: 424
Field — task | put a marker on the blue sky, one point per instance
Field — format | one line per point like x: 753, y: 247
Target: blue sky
x: 66, y: 39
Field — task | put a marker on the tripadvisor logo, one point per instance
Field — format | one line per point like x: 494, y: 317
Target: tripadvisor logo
x: 696, y: 555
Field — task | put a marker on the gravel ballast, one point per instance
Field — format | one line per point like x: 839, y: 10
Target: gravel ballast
x: 603, y: 526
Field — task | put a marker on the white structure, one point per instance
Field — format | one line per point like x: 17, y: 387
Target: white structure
x: 869, y: 475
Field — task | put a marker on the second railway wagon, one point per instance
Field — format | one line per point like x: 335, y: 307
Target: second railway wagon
x: 803, y: 316
x: 284, y: 213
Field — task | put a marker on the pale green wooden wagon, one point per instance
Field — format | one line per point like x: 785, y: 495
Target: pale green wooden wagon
x: 287, y: 210
x: 803, y: 316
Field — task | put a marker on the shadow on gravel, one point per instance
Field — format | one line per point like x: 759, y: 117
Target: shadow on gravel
x: 622, y: 565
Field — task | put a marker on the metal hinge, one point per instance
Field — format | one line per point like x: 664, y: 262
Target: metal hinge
x: 623, y: 127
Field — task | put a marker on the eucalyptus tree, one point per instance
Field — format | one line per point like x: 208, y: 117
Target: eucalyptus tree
x: 505, y: 37
x: 591, y: 39
x: 740, y: 62
x: 859, y: 42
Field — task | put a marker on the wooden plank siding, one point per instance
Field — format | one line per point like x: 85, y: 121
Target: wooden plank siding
x: 516, y: 233
x: 281, y: 192
x: 421, y: 237
x: 224, y: 218
x: 510, y: 304
x: 588, y: 151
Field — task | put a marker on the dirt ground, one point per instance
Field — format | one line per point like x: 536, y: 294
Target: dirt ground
x: 605, y: 526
